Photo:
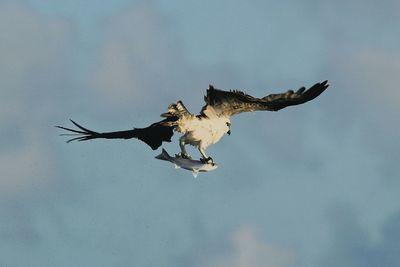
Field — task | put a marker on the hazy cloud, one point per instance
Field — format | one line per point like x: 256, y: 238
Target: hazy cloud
x: 26, y: 167
x: 141, y: 60
x: 139, y: 55
x: 366, y: 82
x: 352, y: 246
x: 126, y: 209
x: 247, y: 249
x: 31, y: 51
x: 374, y: 76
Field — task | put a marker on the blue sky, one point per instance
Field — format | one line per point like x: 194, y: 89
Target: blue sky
x: 312, y: 185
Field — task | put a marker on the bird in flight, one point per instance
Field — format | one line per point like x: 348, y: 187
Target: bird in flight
x: 209, y: 126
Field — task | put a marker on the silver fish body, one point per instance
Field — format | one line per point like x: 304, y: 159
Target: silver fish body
x: 195, y: 166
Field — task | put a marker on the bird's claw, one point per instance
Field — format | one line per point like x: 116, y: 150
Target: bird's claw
x: 183, y: 155
x: 208, y: 160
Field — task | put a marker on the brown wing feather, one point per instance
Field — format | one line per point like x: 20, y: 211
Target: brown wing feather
x: 152, y: 135
x: 229, y: 103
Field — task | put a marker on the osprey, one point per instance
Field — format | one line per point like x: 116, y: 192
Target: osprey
x: 210, y: 125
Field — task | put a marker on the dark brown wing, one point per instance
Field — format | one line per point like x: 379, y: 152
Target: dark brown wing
x: 153, y: 135
x: 229, y: 103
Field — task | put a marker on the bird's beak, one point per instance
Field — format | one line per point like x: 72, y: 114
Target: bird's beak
x: 229, y: 132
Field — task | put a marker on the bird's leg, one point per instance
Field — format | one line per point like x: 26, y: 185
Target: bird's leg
x: 204, y: 158
x: 183, y: 153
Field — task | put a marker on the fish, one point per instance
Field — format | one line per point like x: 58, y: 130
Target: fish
x: 195, y: 166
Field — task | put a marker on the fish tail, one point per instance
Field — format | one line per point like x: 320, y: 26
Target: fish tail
x: 164, y: 155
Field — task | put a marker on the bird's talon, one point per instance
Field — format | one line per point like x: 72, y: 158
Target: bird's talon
x: 208, y: 160
x: 183, y: 155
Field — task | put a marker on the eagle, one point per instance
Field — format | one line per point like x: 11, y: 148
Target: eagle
x: 209, y: 126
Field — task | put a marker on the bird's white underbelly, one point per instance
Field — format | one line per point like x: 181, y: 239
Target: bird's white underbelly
x: 203, y: 132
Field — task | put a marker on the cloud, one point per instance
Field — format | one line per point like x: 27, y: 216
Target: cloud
x: 352, y: 246
x: 138, y: 54
x: 17, y: 225
x: 141, y: 60
x: 31, y: 52
x: 247, y: 250
x: 372, y: 73
x: 364, y: 82
x: 26, y: 167
x: 30, y: 44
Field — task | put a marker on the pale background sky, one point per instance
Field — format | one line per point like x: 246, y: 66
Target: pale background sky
x: 312, y: 185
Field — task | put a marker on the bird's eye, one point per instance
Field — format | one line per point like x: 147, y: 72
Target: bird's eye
x: 228, y: 124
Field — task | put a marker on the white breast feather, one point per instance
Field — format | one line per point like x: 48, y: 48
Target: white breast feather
x: 203, y: 131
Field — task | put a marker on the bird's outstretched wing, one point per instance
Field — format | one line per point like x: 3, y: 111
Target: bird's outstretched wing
x: 153, y: 135
x: 229, y: 103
